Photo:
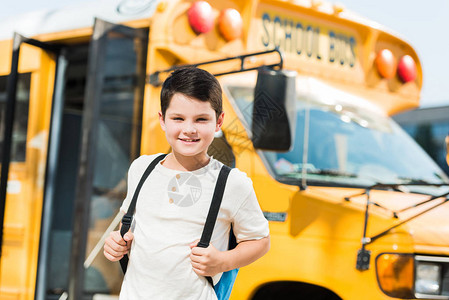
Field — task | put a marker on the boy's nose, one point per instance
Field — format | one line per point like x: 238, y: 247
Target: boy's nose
x: 189, y: 128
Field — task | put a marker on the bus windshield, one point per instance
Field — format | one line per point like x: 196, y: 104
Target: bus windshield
x: 348, y: 144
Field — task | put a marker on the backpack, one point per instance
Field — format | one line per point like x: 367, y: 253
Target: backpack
x: 224, y: 287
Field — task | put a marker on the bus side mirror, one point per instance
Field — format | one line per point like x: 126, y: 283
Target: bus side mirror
x: 274, y: 110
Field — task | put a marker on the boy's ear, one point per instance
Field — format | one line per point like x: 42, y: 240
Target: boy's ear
x: 219, y: 122
x: 161, y: 120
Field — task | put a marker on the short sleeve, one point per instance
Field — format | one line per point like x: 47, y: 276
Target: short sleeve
x: 135, y: 171
x: 249, y: 222
x: 130, y: 188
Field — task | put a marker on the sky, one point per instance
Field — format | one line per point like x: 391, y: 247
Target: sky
x: 423, y: 24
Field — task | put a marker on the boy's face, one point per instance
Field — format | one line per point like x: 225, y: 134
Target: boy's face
x: 189, y: 125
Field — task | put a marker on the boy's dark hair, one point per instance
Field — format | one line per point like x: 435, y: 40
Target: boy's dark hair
x: 194, y: 83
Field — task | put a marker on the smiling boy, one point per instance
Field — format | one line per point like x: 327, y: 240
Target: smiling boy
x: 165, y: 262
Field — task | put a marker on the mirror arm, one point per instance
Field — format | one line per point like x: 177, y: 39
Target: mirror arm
x: 154, y: 79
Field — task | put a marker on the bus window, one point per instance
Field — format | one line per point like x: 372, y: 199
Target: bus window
x: 112, y: 108
x: 67, y: 167
x: 18, y: 150
x: 117, y: 145
x: 348, y: 145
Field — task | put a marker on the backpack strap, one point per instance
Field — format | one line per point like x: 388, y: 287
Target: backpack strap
x: 213, y: 211
x: 128, y: 217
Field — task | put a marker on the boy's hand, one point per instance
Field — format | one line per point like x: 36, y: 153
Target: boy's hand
x: 115, y: 247
x: 206, y: 261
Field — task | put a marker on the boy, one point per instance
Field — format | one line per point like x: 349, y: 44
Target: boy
x: 165, y: 262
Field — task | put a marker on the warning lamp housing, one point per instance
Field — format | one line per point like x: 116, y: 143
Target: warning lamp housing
x: 201, y: 17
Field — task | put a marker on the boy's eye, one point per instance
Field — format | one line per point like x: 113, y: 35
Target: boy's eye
x: 177, y: 119
x: 201, y: 119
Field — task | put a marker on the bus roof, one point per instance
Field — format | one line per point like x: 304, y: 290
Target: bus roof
x: 81, y: 15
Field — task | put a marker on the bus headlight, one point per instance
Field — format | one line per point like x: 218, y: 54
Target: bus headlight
x: 395, y: 273
x: 428, y: 278
x: 412, y: 276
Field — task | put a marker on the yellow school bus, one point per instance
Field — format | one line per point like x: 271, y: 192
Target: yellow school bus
x: 356, y: 209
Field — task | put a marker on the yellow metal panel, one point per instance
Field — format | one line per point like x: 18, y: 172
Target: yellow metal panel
x: 29, y: 58
x: 24, y: 207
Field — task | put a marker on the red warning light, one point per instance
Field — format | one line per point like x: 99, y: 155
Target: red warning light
x: 386, y: 63
x: 230, y: 24
x: 200, y: 17
x: 407, y: 68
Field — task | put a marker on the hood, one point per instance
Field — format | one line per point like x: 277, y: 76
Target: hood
x: 429, y: 231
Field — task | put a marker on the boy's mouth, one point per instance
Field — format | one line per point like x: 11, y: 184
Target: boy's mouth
x: 190, y: 140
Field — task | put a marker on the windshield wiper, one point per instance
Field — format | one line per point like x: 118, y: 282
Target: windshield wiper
x: 363, y: 255
x: 415, y: 181
x: 331, y: 172
x: 328, y: 172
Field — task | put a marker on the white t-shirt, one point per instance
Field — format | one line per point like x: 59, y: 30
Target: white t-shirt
x: 170, y: 214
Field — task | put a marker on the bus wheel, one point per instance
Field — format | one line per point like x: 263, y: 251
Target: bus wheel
x: 291, y: 290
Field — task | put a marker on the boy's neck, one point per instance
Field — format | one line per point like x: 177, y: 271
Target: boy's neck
x: 185, y: 163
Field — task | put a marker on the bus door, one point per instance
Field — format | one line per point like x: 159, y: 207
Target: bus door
x: 99, y: 140
x: 27, y: 78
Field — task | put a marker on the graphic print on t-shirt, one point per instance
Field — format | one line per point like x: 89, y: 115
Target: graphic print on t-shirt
x: 184, y: 189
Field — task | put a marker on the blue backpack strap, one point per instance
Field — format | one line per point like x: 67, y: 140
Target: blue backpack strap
x: 128, y: 217
x: 213, y: 210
